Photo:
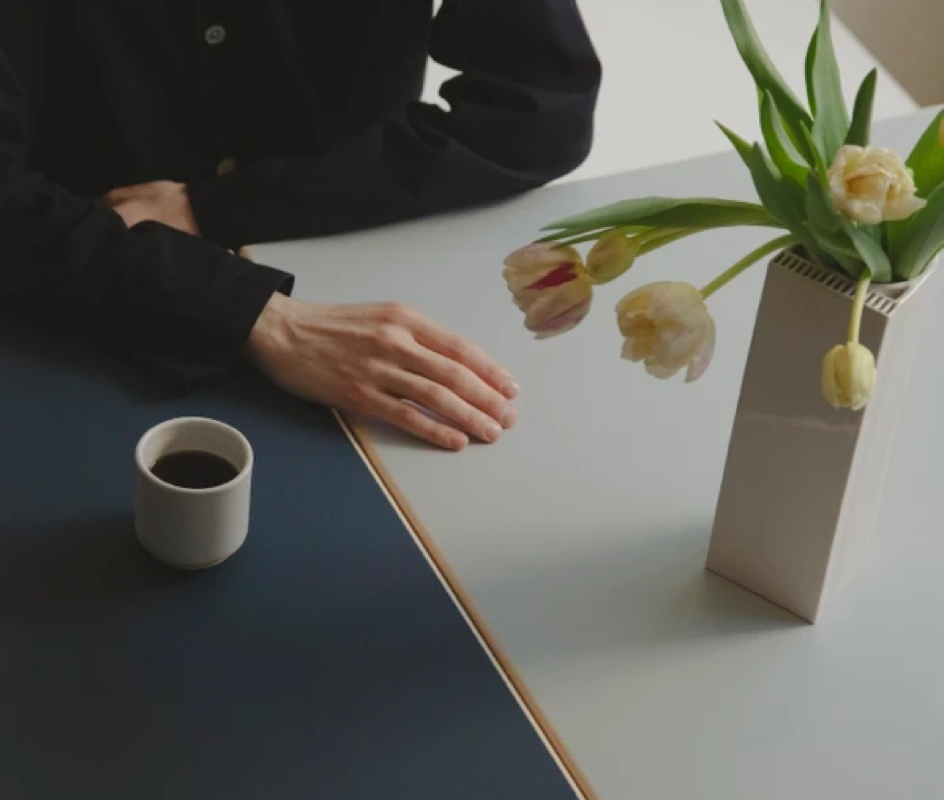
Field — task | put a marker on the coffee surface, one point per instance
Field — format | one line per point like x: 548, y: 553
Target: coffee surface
x: 192, y: 469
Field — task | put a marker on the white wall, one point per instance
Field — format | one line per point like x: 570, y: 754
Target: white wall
x: 906, y: 36
x: 665, y: 81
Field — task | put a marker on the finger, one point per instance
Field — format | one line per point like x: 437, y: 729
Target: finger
x: 462, y: 351
x: 410, y: 419
x: 131, y: 213
x: 462, y: 381
x: 120, y: 195
x: 445, y: 403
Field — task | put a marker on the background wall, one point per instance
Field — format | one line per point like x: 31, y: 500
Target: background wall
x: 671, y: 69
x: 906, y: 36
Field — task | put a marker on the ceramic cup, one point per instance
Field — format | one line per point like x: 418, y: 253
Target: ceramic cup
x: 192, y: 528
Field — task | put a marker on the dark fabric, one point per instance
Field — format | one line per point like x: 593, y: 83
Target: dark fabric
x: 324, y: 661
x: 316, y: 105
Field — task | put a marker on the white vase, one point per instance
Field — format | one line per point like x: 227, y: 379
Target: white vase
x: 802, y: 482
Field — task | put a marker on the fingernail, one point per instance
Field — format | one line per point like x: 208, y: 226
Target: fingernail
x: 510, y: 389
x: 508, y: 417
x: 492, y: 432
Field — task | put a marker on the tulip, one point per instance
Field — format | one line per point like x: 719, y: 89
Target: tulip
x: 667, y: 326
x: 848, y: 376
x: 612, y: 255
x: 871, y: 185
x: 551, y: 286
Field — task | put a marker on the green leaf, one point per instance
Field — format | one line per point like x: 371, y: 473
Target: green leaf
x: 668, y: 212
x: 819, y: 207
x: 825, y: 225
x: 743, y: 148
x: 783, y: 198
x: 927, y: 158
x: 861, y: 127
x: 762, y: 69
x: 811, y: 153
x: 830, y: 117
x: 782, y: 151
x: 870, y: 251
x: 923, y: 239
x: 840, y: 251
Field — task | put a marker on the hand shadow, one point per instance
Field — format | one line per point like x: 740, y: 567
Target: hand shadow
x: 66, y: 566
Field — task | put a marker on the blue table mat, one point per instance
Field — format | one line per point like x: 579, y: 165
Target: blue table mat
x: 325, y: 660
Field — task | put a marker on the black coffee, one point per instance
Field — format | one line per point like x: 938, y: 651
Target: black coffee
x: 193, y: 469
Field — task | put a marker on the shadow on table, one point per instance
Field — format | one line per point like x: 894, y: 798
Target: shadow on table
x: 68, y: 566
x: 635, y: 589
x: 58, y: 347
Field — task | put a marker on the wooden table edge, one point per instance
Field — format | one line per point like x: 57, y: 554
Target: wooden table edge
x: 500, y: 660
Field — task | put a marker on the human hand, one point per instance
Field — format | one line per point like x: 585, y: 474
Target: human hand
x: 384, y: 360
x: 158, y: 201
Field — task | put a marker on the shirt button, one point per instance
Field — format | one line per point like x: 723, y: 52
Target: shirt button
x: 215, y: 34
x: 226, y: 166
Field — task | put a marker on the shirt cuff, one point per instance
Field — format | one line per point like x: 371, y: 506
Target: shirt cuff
x: 207, y: 196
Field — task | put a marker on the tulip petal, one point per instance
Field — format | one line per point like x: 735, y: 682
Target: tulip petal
x: 703, y: 354
x: 566, y: 321
x: 659, y: 371
x: 558, y: 276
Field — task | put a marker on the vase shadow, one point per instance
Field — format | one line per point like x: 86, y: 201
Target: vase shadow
x: 620, y: 592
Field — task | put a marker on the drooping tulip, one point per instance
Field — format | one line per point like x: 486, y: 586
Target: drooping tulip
x: 667, y: 326
x: 611, y: 256
x: 550, y: 285
x: 848, y: 376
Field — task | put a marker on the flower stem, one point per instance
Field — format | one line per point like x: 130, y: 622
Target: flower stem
x: 749, y: 260
x: 650, y: 242
x: 858, y: 303
x: 590, y: 237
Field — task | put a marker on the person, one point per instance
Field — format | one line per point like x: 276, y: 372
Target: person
x: 144, y: 143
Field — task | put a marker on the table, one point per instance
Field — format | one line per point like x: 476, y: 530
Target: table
x: 326, y: 659
x: 580, y: 538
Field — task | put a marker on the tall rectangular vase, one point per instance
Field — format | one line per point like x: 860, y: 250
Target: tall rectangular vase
x: 802, y: 482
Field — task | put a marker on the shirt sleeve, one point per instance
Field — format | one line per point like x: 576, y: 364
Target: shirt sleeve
x: 521, y: 115
x: 175, y: 303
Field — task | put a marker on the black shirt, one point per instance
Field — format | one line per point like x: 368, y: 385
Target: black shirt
x: 286, y: 118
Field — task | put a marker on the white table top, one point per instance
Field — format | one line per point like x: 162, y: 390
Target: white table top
x: 581, y: 537
x: 670, y: 68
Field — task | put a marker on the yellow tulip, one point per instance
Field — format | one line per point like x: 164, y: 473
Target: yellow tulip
x: 611, y: 256
x: 667, y: 326
x: 550, y: 285
x: 848, y: 376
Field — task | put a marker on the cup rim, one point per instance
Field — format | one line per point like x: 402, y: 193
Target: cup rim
x: 145, y: 470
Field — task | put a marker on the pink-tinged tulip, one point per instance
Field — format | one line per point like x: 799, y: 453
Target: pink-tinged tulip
x: 550, y: 285
x: 667, y: 326
x: 611, y: 256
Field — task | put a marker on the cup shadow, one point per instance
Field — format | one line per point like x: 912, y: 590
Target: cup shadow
x: 69, y: 566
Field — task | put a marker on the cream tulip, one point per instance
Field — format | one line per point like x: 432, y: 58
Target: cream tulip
x: 848, y: 376
x: 872, y: 185
x: 551, y: 286
x: 667, y: 326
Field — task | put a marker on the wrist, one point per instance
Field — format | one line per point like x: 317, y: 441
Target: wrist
x: 271, y: 336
